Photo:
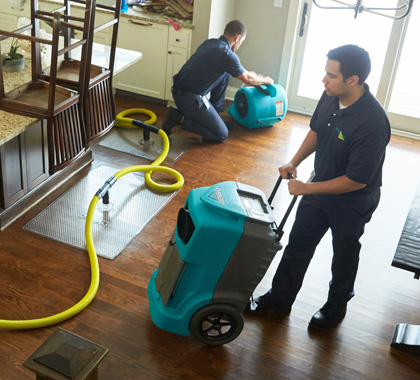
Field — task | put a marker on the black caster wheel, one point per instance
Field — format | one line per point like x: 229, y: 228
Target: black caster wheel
x: 216, y: 324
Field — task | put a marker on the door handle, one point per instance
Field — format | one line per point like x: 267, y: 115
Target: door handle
x: 303, y: 19
x: 140, y: 23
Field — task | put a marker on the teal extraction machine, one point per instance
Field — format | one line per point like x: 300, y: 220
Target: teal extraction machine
x: 223, y: 244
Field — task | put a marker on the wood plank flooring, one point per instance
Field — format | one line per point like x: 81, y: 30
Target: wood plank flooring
x: 40, y: 277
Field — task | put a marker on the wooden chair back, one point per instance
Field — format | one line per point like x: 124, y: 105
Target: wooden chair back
x: 61, y: 107
x: 98, y: 102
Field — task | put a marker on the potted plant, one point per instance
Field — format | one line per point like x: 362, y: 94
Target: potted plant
x: 13, y: 61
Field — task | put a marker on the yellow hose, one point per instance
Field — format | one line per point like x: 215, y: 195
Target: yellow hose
x: 122, y: 121
x: 94, y: 282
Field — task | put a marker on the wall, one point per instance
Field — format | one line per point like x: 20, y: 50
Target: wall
x: 222, y: 12
x: 266, y: 24
x: 201, y: 21
x: 210, y: 18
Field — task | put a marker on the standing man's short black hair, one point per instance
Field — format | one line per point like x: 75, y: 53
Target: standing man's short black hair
x: 353, y: 60
x: 235, y: 27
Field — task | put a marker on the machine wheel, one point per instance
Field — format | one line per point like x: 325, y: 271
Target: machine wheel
x: 216, y: 324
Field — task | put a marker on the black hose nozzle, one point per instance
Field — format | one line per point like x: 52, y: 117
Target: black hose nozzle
x: 149, y: 127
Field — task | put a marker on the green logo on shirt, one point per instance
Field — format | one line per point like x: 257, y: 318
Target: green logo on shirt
x: 340, y: 134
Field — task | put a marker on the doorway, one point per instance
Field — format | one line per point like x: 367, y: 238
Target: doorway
x: 392, y: 48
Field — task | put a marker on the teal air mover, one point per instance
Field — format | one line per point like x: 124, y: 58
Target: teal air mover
x: 259, y: 106
x: 223, y: 243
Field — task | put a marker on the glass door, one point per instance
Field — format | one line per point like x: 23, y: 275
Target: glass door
x: 403, y: 102
x: 392, y: 48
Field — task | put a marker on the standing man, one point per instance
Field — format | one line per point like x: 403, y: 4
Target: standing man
x: 349, y: 133
x: 208, y: 71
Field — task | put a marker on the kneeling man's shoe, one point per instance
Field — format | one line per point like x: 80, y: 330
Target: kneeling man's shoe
x: 173, y: 118
x: 229, y: 124
x: 266, y: 305
x: 328, y: 316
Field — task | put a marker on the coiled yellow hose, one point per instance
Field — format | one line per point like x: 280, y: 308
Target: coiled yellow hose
x: 122, y: 121
x: 94, y: 283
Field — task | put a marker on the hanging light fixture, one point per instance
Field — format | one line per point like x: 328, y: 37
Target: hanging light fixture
x: 359, y: 8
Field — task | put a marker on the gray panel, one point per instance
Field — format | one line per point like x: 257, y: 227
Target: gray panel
x: 247, y: 265
x: 134, y: 205
x: 170, y: 271
x: 130, y: 141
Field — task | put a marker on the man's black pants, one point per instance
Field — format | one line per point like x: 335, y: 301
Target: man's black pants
x: 346, y: 216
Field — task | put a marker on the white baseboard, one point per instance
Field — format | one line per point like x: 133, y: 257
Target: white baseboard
x: 230, y: 93
x: 409, y: 135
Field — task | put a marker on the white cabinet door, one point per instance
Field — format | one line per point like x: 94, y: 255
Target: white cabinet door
x: 176, y: 58
x: 148, y: 76
x: 103, y: 36
x: 8, y: 22
x: 10, y: 13
x: 178, y: 53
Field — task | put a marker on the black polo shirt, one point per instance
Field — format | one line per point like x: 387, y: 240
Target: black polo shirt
x: 207, y: 66
x: 351, y: 141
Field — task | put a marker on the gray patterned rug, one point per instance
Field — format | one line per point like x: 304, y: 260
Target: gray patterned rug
x: 131, y: 141
x: 133, y: 205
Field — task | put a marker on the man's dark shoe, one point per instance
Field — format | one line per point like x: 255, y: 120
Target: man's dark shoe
x: 266, y: 305
x: 328, y: 316
x: 229, y: 124
x: 173, y: 118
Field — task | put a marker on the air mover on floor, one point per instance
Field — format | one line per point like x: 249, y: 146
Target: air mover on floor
x: 260, y: 106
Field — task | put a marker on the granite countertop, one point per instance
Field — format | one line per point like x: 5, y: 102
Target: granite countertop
x: 159, y: 18
x: 136, y: 13
x: 12, y: 124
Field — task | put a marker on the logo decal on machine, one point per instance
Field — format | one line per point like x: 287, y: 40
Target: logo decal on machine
x: 217, y: 195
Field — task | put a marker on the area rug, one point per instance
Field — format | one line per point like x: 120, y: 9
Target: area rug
x: 132, y: 205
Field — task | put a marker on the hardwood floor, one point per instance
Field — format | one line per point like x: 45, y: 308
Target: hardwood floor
x: 40, y: 277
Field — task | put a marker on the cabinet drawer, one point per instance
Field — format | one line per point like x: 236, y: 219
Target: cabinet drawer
x: 179, y: 38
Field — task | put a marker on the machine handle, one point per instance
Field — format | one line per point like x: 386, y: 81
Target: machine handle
x: 264, y: 91
x: 273, y: 193
x: 276, y: 186
x: 279, y: 230
x: 267, y: 89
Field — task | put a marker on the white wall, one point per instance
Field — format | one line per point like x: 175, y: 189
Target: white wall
x: 210, y: 18
x: 222, y: 12
x: 266, y: 25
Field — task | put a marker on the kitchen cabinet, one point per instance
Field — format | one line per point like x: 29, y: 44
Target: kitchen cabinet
x: 103, y: 36
x: 8, y: 22
x: 10, y: 13
x: 179, y: 43
x: 24, y: 164
x: 148, y: 76
x: 164, y: 52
